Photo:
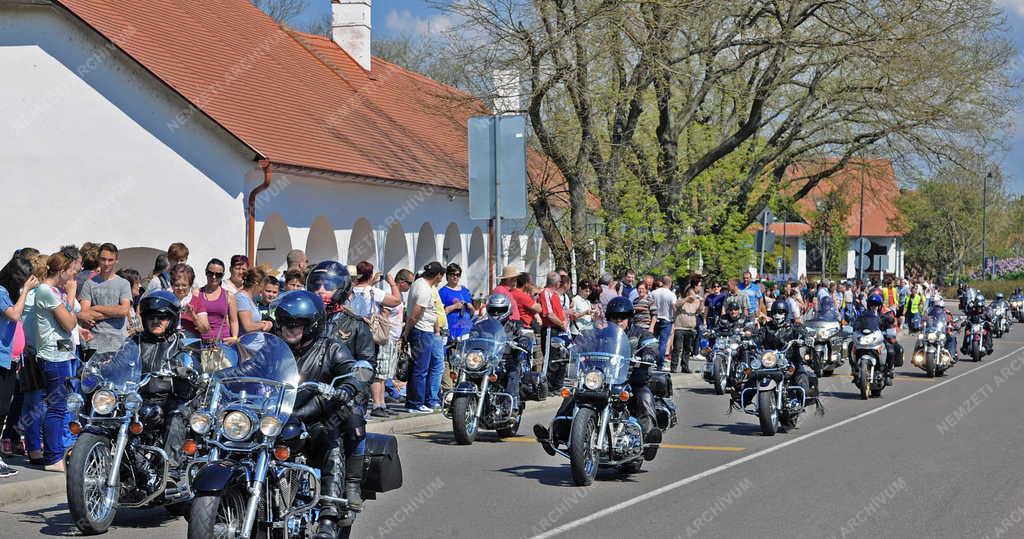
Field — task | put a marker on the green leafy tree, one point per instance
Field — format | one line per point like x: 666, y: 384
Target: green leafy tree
x: 828, y: 230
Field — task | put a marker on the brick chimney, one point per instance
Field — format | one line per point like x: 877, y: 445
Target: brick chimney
x: 350, y: 28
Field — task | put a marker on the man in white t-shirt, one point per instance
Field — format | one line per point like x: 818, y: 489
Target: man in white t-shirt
x: 420, y: 332
x: 664, y: 305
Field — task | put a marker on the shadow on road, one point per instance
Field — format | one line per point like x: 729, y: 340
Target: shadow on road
x: 702, y: 390
x: 743, y: 429
x: 56, y: 520
x: 559, y: 476
x: 447, y: 438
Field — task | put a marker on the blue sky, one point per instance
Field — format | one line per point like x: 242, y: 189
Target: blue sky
x: 394, y: 17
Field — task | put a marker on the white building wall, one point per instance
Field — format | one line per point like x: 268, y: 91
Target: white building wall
x: 87, y: 152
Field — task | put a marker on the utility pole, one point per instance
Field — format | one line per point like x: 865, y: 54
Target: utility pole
x: 860, y: 240
x: 984, y: 224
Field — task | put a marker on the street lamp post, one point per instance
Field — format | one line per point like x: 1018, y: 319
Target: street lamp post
x: 984, y: 224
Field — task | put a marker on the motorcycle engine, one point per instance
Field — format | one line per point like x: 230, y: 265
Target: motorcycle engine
x: 627, y: 439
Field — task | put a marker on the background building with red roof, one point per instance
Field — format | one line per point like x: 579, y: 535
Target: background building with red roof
x: 871, y: 188
x: 204, y: 121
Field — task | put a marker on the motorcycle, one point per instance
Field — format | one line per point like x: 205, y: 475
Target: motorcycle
x: 253, y: 480
x: 974, y: 338
x: 478, y: 398
x: 768, y: 394
x: 1017, y: 307
x: 869, y: 361
x: 930, y: 354
x: 556, y: 354
x: 119, y: 460
x: 1000, y: 319
x: 827, y: 348
x: 730, y: 349
x: 602, y: 430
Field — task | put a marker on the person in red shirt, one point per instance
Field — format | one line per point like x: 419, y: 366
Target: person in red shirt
x: 554, y: 321
x: 524, y: 301
x: 506, y: 282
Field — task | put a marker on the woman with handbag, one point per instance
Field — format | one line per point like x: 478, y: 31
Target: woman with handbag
x: 376, y: 307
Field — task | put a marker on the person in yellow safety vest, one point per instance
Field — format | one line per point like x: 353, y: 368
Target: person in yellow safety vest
x: 912, y: 310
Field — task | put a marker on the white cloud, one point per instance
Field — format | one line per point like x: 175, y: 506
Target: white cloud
x: 1017, y: 6
x: 404, y: 22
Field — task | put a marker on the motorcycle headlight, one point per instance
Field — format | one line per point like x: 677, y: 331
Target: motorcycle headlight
x: 933, y: 336
x: 104, y: 402
x: 132, y: 402
x: 74, y: 402
x: 918, y: 359
x: 734, y: 346
x: 593, y: 380
x: 768, y: 359
x: 823, y: 334
x: 271, y: 426
x: 237, y: 426
x: 200, y: 422
x: 474, y: 360
x: 756, y: 364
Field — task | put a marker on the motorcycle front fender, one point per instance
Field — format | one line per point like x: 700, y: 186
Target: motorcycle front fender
x: 216, y: 477
x: 767, y: 384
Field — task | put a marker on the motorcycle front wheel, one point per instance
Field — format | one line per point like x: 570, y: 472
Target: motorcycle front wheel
x: 721, y: 379
x: 929, y: 367
x: 976, y: 351
x: 464, y: 420
x: 91, y: 505
x: 220, y: 517
x: 767, y: 413
x: 865, y: 381
x: 583, y: 458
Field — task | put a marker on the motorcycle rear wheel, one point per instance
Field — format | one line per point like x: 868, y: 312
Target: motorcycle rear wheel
x: 89, y: 464
x: 583, y: 460
x: 464, y: 420
x: 510, y: 431
x: 767, y: 413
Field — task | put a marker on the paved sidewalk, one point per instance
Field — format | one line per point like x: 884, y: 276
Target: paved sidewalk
x: 30, y: 483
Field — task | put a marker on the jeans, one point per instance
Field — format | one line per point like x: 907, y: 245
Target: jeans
x: 57, y: 438
x: 31, y: 423
x: 951, y: 344
x: 421, y: 344
x: 436, y: 371
x: 663, y: 332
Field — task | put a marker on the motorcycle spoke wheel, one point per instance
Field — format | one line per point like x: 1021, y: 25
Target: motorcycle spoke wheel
x: 99, y: 499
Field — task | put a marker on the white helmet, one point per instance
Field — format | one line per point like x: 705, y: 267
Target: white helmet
x: 938, y: 300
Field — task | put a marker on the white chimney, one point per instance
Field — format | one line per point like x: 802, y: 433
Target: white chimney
x: 350, y: 28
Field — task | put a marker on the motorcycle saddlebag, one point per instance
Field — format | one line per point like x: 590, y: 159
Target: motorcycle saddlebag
x: 661, y: 384
x: 382, y: 469
x: 531, y: 387
x: 666, y: 412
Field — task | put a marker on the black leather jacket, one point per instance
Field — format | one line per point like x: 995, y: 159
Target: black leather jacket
x: 354, y: 333
x: 644, y: 346
x: 874, y: 321
x: 322, y: 361
x: 777, y: 337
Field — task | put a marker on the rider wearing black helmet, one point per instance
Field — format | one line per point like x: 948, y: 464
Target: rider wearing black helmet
x: 332, y: 282
x: 337, y: 429
x: 641, y: 405
x: 161, y: 349
x: 776, y: 334
x: 979, y: 313
x: 873, y: 319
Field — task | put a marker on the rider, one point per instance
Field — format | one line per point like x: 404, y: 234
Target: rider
x: 499, y: 307
x: 161, y: 349
x: 620, y: 312
x: 332, y: 282
x: 777, y: 333
x: 978, y: 313
x: 874, y: 319
x: 337, y: 427
x: 937, y: 311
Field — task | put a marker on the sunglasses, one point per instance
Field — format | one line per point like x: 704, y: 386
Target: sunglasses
x: 455, y: 275
x: 215, y: 274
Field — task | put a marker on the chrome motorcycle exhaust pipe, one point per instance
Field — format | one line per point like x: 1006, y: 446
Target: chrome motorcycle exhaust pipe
x: 255, y: 491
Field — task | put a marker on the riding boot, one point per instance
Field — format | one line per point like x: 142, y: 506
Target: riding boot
x: 327, y: 528
x: 544, y: 438
x: 354, y: 481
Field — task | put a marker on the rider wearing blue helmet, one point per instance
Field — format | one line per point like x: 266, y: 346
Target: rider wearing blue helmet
x: 873, y: 319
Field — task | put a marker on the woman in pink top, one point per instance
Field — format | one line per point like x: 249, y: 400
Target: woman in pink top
x: 218, y: 304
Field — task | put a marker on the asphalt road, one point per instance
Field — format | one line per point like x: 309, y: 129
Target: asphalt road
x: 930, y: 458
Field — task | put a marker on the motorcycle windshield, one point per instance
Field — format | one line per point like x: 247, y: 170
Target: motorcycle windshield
x: 936, y: 324
x: 265, y: 379
x: 487, y: 337
x: 607, y: 350
x: 121, y: 370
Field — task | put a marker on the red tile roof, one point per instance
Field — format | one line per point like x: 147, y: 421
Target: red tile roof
x: 295, y: 98
x: 881, y: 190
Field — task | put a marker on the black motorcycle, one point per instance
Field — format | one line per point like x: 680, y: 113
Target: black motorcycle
x: 479, y: 399
x: 253, y: 480
x: 732, y: 347
x: 768, y: 393
x: 119, y: 460
x: 602, y: 428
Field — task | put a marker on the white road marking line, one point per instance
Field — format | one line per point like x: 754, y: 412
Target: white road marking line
x: 686, y: 481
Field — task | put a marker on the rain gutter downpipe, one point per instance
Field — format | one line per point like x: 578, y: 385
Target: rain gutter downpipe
x: 250, y: 210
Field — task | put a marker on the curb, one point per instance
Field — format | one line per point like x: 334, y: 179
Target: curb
x: 21, y: 491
